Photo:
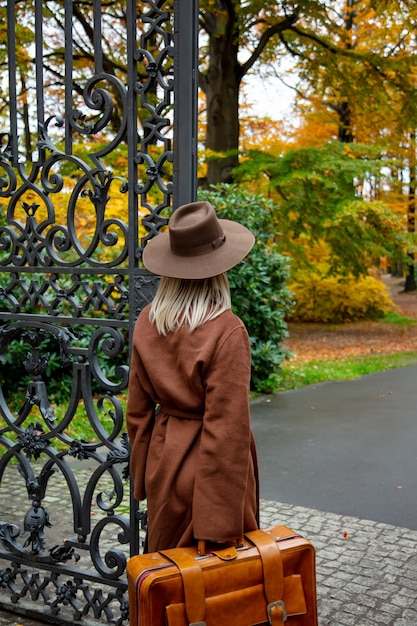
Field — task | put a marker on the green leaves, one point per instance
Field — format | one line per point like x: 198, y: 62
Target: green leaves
x: 333, y: 205
x: 259, y: 293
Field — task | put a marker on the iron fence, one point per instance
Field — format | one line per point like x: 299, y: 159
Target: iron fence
x: 98, y: 144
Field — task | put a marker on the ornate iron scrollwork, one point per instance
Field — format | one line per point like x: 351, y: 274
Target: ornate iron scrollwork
x: 71, y: 287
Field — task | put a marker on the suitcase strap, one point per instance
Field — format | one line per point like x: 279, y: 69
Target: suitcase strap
x: 273, y: 571
x: 193, y: 583
x: 273, y: 576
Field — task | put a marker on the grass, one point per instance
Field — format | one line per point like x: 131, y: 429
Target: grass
x: 295, y: 376
x: 401, y: 320
x: 80, y: 427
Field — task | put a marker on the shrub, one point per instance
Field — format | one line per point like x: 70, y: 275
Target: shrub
x: 58, y: 373
x: 259, y: 293
x: 339, y: 299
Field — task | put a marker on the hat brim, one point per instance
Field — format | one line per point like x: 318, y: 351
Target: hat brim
x: 159, y: 259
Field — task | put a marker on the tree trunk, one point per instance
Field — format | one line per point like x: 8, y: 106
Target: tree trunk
x: 345, y: 134
x: 222, y: 131
x: 220, y: 84
x: 410, y: 279
x: 221, y: 79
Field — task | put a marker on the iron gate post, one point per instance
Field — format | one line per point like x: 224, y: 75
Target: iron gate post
x: 185, y: 101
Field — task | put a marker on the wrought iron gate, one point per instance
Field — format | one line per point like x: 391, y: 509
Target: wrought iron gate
x: 88, y: 173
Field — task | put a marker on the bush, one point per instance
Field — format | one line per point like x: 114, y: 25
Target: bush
x: 339, y: 299
x: 58, y: 375
x: 259, y: 294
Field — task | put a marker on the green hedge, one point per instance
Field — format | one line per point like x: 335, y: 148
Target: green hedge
x: 258, y: 284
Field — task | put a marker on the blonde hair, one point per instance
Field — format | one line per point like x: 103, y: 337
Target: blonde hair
x: 181, y: 302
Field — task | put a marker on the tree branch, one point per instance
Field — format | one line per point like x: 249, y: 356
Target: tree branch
x: 372, y: 60
x: 279, y: 27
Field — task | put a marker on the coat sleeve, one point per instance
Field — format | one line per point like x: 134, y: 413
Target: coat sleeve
x: 140, y: 418
x: 224, y: 456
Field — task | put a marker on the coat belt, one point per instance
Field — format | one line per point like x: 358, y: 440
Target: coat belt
x: 182, y: 414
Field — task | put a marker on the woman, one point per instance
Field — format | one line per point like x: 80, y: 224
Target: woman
x: 194, y: 459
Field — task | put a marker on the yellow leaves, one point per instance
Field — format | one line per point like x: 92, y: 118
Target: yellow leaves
x: 82, y: 221
x: 263, y: 134
x: 314, y: 129
x: 348, y: 151
x: 338, y: 299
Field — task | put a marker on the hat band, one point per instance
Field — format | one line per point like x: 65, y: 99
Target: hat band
x: 198, y: 250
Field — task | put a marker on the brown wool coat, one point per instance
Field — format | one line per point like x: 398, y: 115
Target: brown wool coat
x: 195, y: 462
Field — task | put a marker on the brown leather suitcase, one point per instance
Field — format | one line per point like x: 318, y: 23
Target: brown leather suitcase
x: 269, y: 580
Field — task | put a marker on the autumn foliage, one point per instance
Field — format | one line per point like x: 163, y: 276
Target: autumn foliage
x: 336, y: 300
x: 331, y: 192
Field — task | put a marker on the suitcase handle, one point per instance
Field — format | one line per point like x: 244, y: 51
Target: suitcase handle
x: 203, y: 551
x: 225, y: 554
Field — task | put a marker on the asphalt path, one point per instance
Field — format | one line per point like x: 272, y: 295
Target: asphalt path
x: 347, y: 447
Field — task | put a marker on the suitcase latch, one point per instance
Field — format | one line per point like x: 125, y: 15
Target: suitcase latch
x: 274, y: 605
x: 198, y: 624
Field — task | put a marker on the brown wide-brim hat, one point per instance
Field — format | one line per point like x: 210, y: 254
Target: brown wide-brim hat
x: 198, y: 244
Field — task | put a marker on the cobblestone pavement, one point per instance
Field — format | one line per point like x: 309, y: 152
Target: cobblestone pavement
x: 366, y: 571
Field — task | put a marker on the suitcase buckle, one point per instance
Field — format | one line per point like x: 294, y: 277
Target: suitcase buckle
x: 273, y: 605
x: 198, y: 624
